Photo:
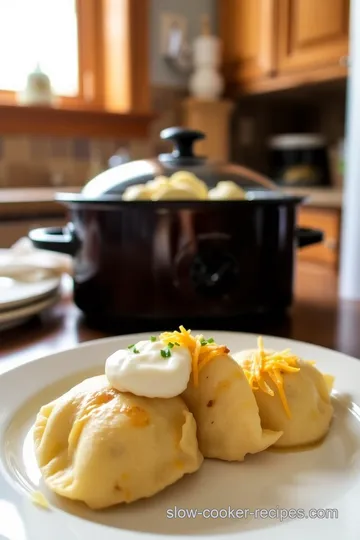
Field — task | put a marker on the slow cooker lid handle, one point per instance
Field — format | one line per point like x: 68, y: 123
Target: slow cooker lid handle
x: 183, y: 151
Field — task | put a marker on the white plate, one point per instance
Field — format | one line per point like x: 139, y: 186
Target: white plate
x: 19, y: 315
x: 325, y: 477
x: 14, y: 293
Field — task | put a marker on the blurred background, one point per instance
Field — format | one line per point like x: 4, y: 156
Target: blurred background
x: 89, y: 84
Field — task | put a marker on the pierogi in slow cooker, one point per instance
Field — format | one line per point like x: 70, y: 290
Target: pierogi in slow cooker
x: 293, y: 396
x: 183, y: 186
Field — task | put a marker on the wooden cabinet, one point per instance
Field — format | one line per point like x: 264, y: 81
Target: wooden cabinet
x: 327, y: 220
x: 275, y: 44
x: 246, y: 27
x: 312, y: 34
x: 213, y: 118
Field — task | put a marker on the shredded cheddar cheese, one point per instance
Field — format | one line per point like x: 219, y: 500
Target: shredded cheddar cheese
x: 202, y: 351
x: 263, y: 363
x: 39, y: 499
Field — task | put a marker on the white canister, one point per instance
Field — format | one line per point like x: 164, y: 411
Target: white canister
x: 207, y: 51
x: 206, y: 82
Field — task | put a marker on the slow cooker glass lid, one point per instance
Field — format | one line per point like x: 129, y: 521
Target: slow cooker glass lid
x: 182, y: 158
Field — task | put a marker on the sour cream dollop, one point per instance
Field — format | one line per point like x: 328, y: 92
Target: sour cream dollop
x: 144, y: 370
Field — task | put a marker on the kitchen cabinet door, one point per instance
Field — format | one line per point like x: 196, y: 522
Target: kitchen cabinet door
x: 328, y: 220
x: 312, y: 34
x: 247, y: 32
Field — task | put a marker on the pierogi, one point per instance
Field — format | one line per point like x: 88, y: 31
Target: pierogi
x: 292, y: 395
x: 103, y: 447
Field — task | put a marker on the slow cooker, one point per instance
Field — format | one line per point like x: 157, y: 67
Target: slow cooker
x: 151, y: 262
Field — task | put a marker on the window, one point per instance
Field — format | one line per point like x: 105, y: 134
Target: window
x: 43, y: 34
x: 95, y: 53
x: 61, y: 37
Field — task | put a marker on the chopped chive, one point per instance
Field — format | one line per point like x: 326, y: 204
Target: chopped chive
x: 136, y: 351
x: 165, y: 353
x: 176, y: 343
x: 131, y: 346
x: 170, y: 345
x: 153, y: 338
x: 206, y: 341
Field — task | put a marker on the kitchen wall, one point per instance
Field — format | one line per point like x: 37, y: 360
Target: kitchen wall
x: 39, y: 161
x: 42, y: 161
x: 27, y: 160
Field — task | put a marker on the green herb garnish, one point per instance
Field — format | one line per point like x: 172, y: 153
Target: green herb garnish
x: 165, y: 353
x: 131, y: 346
x: 206, y: 341
x: 135, y: 351
x: 170, y: 345
x: 177, y: 344
x: 153, y: 338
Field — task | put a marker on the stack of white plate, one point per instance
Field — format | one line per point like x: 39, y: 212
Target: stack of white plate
x: 22, y: 298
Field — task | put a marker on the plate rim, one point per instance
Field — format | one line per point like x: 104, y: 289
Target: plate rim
x: 13, y: 364
x: 12, y: 305
x: 30, y: 309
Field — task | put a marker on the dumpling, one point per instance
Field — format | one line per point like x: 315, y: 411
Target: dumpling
x: 221, y: 400
x: 226, y: 412
x: 190, y: 182
x: 174, y: 193
x: 227, y: 190
x: 139, y: 192
x: 292, y: 395
x: 104, y: 447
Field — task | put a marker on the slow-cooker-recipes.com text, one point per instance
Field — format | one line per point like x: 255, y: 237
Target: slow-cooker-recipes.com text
x: 280, y: 514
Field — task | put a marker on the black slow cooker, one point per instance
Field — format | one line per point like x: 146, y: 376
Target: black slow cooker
x: 167, y: 262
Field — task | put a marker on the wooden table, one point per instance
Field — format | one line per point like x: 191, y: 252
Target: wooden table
x: 317, y: 316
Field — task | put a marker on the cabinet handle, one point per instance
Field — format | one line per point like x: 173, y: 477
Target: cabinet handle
x: 345, y: 61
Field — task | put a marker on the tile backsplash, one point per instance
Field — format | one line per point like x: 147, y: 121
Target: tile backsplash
x: 28, y: 160
x: 39, y: 161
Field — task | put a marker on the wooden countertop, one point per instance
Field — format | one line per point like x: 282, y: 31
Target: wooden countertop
x: 318, y: 317
x: 320, y: 197
x: 32, y: 201
x: 31, y: 195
